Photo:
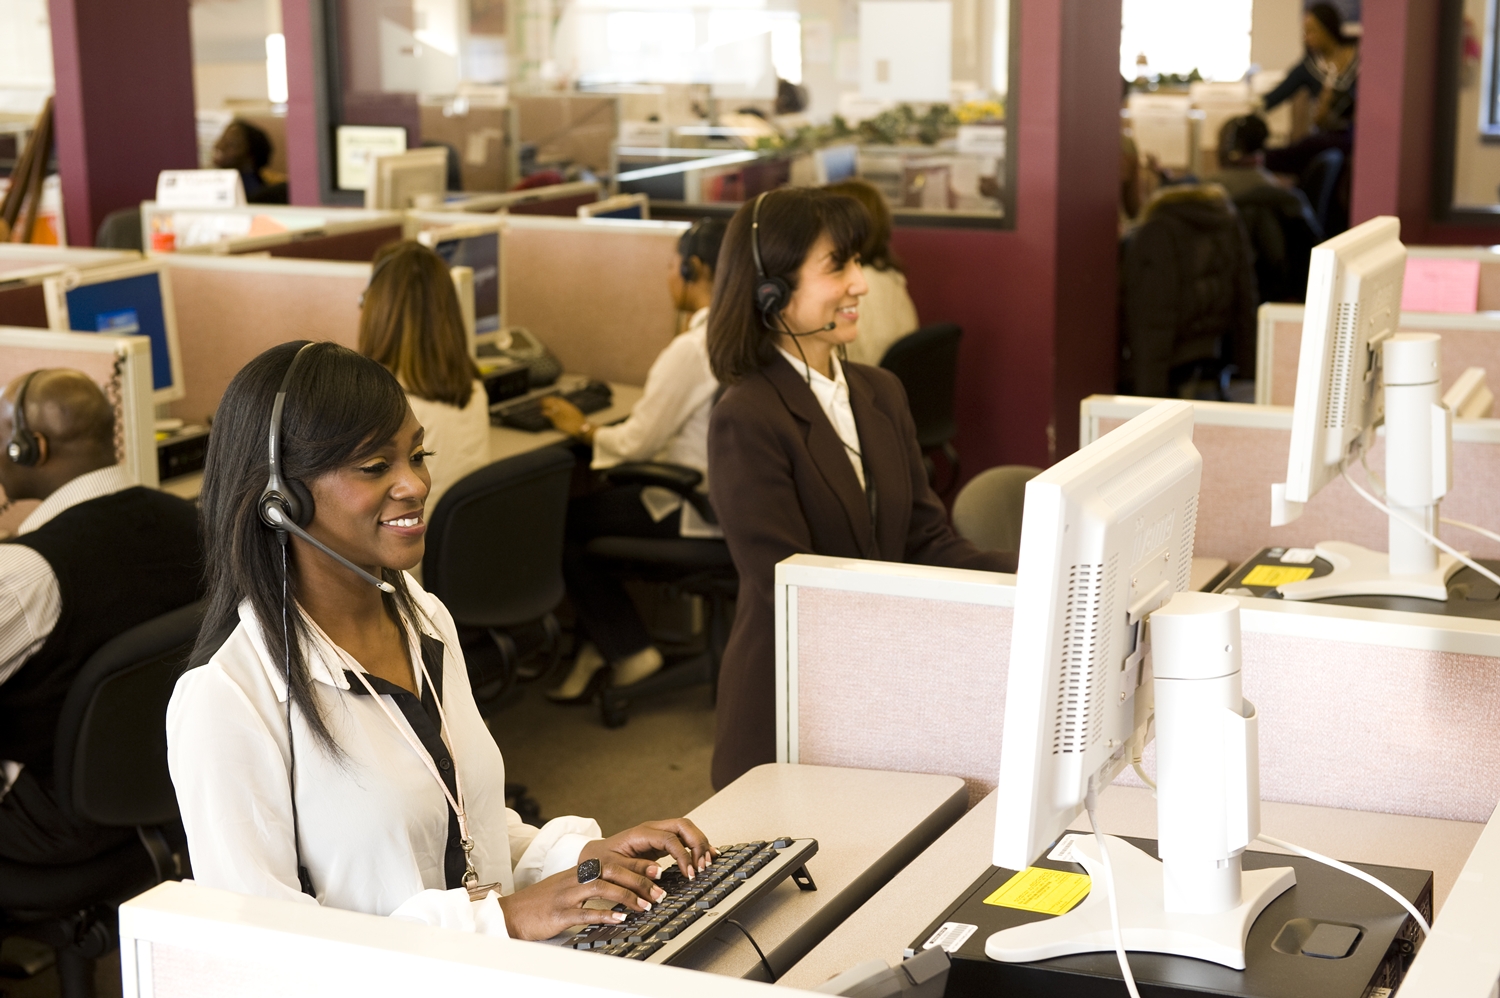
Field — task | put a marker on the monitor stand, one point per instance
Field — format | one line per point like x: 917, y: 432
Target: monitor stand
x: 1144, y: 922
x: 1358, y: 571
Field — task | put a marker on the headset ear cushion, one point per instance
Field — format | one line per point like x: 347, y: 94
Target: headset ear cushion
x: 771, y: 296
x: 299, y: 502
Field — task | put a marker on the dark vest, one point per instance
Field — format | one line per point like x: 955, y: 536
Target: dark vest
x: 120, y: 560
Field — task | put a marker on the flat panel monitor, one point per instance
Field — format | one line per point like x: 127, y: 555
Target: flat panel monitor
x: 481, y: 253
x: 839, y: 162
x: 132, y: 300
x: 417, y: 178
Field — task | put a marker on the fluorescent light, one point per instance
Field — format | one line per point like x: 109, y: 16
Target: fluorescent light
x: 276, y: 86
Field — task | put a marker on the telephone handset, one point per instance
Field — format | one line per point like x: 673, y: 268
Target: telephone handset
x: 517, y: 344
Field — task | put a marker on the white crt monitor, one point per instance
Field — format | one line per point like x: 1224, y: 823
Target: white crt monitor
x: 1353, y: 305
x: 1107, y: 537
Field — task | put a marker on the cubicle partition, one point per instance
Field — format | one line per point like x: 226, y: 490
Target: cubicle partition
x: 1244, y: 450
x: 1469, y: 340
x: 121, y: 365
x: 24, y: 268
x: 595, y: 292
x: 562, y: 200
x: 904, y: 667
x: 352, y: 234
x: 181, y: 940
x: 232, y: 308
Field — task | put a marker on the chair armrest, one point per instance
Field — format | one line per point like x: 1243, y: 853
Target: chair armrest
x: 673, y: 477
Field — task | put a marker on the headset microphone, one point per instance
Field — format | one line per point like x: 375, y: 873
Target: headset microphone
x: 280, y: 521
x: 813, y: 332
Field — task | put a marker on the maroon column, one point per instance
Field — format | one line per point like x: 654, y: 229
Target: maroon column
x: 1037, y: 302
x: 302, y: 26
x: 124, y: 107
x: 1395, y: 130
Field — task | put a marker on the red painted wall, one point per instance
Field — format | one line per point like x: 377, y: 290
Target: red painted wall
x: 303, y: 184
x: 1394, y: 124
x: 124, y: 107
x: 1037, y: 302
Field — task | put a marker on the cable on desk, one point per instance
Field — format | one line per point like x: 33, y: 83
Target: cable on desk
x: 1090, y: 803
x: 758, y: 952
x: 1431, y: 538
x: 1357, y: 874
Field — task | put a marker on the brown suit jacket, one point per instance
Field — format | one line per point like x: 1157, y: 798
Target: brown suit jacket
x: 782, y: 484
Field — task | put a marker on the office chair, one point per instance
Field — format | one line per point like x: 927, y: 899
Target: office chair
x: 687, y: 566
x: 987, y: 512
x: 926, y: 361
x: 121, y: 230
x: 494, y: 557
x: 111, y: 769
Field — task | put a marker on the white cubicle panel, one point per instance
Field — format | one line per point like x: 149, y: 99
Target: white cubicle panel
x: 179, y: 940
x: 1244, y: 450
x: 120, y: 365
x: 1469, y: 340
x: 29, y: 262
x: 1461, y: 958
x: 903, y: 667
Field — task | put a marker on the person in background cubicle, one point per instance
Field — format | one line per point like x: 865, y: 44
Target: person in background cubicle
x: 670, y: 424
x: 98, y: 556
x: 806, y: 453
x: 410, y: 324
x: 886, y: 312
x: 324, y: 742
x: 246, y: 148
x: 1330, y: 75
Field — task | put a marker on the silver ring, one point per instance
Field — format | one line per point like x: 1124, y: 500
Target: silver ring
x: 589, y: 871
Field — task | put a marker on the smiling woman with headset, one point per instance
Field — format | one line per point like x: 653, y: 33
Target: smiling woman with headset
x: 807, y: 454
x: 324, y: 743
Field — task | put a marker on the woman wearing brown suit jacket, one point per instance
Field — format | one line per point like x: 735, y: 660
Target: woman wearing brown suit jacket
x: 807, y: 454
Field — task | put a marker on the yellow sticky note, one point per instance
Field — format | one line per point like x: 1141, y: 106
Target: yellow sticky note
x: 1051, y: 892
x: 1276, y: 575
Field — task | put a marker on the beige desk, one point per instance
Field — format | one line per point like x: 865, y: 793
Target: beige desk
x: 504, y: 441
x: 869, y: 824
x: 894, y: 917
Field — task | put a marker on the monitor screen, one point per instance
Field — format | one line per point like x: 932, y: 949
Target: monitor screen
x: 482, y: 254
x: 634, y: 211
x: 129, y: 306
x: 840, y: 162
x: 358, y: 146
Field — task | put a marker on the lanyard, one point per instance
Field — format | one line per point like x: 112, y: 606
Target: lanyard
x: 471, y: 877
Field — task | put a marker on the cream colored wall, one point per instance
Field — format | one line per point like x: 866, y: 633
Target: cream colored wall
x: 1276, y: 33
x: 1476, y: 169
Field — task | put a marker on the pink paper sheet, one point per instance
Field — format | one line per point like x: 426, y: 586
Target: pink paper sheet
x: 1439, y: 285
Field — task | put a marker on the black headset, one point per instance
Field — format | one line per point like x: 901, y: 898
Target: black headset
x: 284, y: 499
x: 771, y: 293
x: 23, y: 448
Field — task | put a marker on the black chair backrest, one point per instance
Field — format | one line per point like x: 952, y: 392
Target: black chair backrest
x: 494, y: 546
x: 111, y: 748
x: 926, y: 361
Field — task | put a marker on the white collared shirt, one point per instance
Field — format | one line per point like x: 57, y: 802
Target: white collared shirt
x: 669, y: 423
x: 833, y: 397
x: 373, y: 824
x: 30, y: 602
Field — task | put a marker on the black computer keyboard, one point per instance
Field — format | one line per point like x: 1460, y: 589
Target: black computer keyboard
x: 527, y: 413
x: 694, y: 909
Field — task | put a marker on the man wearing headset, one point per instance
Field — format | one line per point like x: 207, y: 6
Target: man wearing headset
x: 98, y: 556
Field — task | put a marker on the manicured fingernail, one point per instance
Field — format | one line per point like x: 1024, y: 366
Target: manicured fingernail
x: 617, y: 916
x: 654, y: 872
x: 645, y: 905
x: 691, y: 872
x: 657, y: 893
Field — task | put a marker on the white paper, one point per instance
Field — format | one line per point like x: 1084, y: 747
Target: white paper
x: 199, y: 189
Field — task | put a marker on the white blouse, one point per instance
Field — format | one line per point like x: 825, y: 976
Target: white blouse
x: 458, y: 438
x: 669, y: 423
x: 886, y: 314
x: 833, y: 398
x: 374, y: 824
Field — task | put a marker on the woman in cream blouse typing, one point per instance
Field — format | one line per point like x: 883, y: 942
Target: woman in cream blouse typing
x: 324, y: 743
x: 670, y: 424
x: 411, y: 325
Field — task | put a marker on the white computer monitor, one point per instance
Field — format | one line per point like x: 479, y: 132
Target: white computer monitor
x: 133, y: 299
x: 1107, y: 646
x: 417, y: 178
x: 1355, y: 371
x: 1470, y: 397
x: 1106, y: 538
x: 356, y: 149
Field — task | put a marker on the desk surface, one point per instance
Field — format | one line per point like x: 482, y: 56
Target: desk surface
x: 868, y: 823
x: 504, y: 440
x: 884, y: 926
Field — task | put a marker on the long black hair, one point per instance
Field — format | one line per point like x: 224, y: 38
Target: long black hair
x: 340, y: 409
x: 791, y: 220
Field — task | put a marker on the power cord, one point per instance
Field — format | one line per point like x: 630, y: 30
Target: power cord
x: 1089, y: 803
x: 771, y: 974
x: 1432, y: 538
x: 1351, y: 871
x: 1379, y: 484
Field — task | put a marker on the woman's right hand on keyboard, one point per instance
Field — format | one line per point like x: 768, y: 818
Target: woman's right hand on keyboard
x: 552, y: 905
x: 565, y: 415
